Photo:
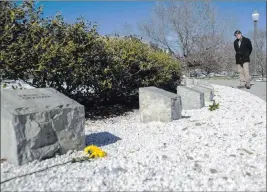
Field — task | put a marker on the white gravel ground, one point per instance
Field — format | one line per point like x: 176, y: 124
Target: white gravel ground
x: 215, y: 151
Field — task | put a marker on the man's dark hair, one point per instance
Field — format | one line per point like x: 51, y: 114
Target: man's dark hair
x: 237, y: 32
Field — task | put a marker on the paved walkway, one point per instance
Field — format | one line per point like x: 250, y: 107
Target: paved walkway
x: 258, y: 88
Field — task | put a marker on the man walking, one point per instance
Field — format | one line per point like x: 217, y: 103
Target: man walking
x: 243, y: 50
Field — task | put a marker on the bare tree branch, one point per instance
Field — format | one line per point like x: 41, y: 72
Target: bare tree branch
x: 191, y: 29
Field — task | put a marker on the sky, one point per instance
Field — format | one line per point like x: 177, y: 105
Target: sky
x: 114, y: 16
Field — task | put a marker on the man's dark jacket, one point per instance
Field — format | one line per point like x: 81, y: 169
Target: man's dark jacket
x: 243, y: 52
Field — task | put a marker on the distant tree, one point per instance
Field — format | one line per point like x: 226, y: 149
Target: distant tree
x: 194, y: 26
x: 260, y: 47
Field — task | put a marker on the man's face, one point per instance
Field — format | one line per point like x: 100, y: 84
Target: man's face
x: 238, y: 36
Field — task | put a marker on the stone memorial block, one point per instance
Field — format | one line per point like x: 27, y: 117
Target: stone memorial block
x: 196, y: 81
x: 208, y: 93
x: 206, y: 84
x: 189, y: 82
x: 191, y: 98
x: 38, y: 123
x: 159, y: 105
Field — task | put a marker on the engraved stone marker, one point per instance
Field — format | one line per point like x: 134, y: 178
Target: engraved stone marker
x: 159, y: 105
x: 190, y: 82
x: 206, y: 84
x: 208, y: 92
x: 191, y: 98
x: 38, y: 123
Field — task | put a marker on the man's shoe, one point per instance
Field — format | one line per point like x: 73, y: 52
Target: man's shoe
x: 248, y: 85
x: 240, y: 87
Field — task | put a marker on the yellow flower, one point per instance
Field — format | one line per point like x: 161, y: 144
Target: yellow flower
x: 94, y: 151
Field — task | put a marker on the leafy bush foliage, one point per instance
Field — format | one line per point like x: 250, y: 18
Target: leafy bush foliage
x: 98, y: 72
x: 134, y: 64
x: 214, y: 106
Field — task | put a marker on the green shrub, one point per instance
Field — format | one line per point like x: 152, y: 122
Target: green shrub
x: 142, y: 65
x: 74, y: 59
x: 166, y: 71
x: 69, y: 58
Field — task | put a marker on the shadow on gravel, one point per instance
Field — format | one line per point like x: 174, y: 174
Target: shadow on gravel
x: 101, y: 139
x: 186, y: 117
